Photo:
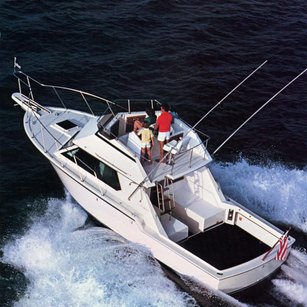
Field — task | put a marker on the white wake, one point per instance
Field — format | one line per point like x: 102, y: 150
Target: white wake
x: 275, y: 192
x: 71, y: 266
x: 291, y: 284
x: 279, y: 194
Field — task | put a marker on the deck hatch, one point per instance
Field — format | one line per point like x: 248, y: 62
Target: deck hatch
x: 67, y: 124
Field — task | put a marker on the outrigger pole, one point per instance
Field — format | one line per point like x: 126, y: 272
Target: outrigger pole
x: 259, y: 110
x: 227, y: 95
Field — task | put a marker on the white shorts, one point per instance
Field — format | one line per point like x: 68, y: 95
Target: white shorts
x: 162, y: 136
x: 146, y: 145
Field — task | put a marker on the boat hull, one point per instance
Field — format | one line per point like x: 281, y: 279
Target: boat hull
x: 96, y: 158
x: 164, y: 250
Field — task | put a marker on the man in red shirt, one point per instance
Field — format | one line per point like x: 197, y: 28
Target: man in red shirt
x: 163, y: 125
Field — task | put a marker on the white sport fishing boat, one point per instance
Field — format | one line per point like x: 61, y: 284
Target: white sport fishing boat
x: 175, y: 209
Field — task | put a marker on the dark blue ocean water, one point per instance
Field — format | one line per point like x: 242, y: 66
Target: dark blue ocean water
x: 189, y: 54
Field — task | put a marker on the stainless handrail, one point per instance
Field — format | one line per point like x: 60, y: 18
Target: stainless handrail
x: 195, y: 129
x: 140, y: 100
x: 148, y: 176
x: 83, y: 94
x: 181, y: 153
x: 20, y: 73
x: 31, y: 104
x: 165, y: 158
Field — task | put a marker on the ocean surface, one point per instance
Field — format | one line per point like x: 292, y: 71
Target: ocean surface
x: 189, y: 54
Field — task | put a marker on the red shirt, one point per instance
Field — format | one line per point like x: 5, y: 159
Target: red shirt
x: 164, y: 122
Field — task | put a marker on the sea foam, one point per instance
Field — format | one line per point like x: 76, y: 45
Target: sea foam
x: 292, y: 282
x: 68, y: 264
x: 274, y: 191
x: 278, y: 193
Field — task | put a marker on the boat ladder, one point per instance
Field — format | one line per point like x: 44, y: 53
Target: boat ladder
x: 165, y: 195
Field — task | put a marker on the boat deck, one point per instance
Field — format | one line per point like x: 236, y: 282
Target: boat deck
x: 225, y: 246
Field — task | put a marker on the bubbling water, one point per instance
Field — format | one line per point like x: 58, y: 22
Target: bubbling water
x: 274, y: 192
x: 292, y: 284
x: 279, y: 194
x: 69, y: 264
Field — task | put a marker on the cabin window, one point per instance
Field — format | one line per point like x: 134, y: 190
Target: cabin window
x: 115, y: 129
x: 94, y: 166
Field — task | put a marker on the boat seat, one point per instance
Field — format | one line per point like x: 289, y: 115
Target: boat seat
x: 134, y: 143
x: 174, y: 147
x: 177, y: 146
x: 196, y: 212
x: 205, y: 214
x: 175, y: 135
x: 175, y: 229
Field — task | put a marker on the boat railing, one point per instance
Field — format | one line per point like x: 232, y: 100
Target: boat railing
x: 26, y: 83
x: 151, y: 175
x: 134, y: 101
x: 128, y: 105
x: 43, y: 130
x: 207, y: 137
x: 190, y: 151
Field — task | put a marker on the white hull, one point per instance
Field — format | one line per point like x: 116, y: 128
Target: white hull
x: 164, y: 250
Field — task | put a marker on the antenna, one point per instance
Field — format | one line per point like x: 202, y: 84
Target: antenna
x: 259, y: 110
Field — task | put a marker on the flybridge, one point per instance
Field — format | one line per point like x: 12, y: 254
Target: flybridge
x: 186, y: 150
x: 113, y: 128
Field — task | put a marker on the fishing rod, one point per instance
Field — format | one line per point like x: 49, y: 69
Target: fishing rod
x: 215, y: 106
x: 259, y: 110
x: 227, y: 96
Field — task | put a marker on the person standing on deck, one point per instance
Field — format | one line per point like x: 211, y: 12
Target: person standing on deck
x: 163, y: 125
x: 147, y: 139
